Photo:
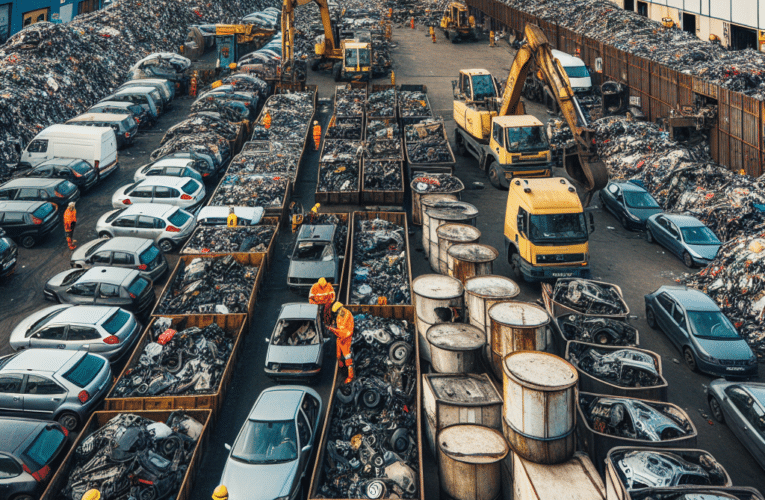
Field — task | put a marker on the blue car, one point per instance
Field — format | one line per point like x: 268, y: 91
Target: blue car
x: 707, y: 339
x: 630, y: 203
x: 685, y: 236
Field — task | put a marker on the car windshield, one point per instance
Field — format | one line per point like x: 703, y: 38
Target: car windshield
x: 266, y: 442
x: 179, y: 218
x: 557, y: 227
x: 81, y: 167
x: 4, y: 245
x: 577, y: 71
x: 43, y: 211
x: 85, y: 370
x: 637, y: 199
x: 115, y: 323
x: 313, y: 251
x: 43, y: 321
x: 526, y: 139
x: 699, y: 235
x: 712, y: 325
x: 42, y: 449
x: 73, y: 276
x: 115, y: 214
x: 483, y: 87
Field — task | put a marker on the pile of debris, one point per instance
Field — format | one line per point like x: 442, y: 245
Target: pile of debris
x: 372, y: 442
x: 134, y: 457
x: 414, y: 104
x: 624, y: 367
x: 383, y: 176
x: 426, y: 142
x: 339, y: 176
x: 590, y: 297
x: 345, y: 128
x: 383, y: 129
x: 290, y: 117
x: 382, y: 104
x: 188, y: 362
x: 236, y: 190
x: 208, y: 143
x: 596, y: 330
x: 436, y: 183
x: 380, y: 264
x: 268, y: 158
x: 349, y: 102
x: 221, y: 239
x: 218, y: 285
x: 339, y: 151
x: 199, y: 123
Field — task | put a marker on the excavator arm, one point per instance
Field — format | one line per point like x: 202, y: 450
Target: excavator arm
x: 288, y: 27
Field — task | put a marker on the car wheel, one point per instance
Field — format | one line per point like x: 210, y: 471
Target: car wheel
x: 69, y: 420
x: 623, y: 222
x: 714, y: 407
x: 650, y: 317
x: 687, y: 259
x: 494, y: 175
x: 28, y: 241
x: 23, y: 496
x: 166, y: 246
x: 602, y: 338
x: 690, y: 359
x: 461, y: 149
x: 337, y: 71
x: 649, y: 236
x: 104, y: 235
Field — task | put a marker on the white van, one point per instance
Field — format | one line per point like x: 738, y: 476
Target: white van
x: 577, y: 72
x: 95, y: 145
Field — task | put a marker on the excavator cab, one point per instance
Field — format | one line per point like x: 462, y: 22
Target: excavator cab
x: 457, y: 23
x: 477, y: 85
x: 357, y: 62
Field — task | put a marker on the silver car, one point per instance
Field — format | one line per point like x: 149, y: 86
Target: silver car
x: 183, y: 192
x: 296, y: 346
x: 108, y: 331
x: 173, y: 167
x: 122, y: 251
x: 167, y: 225
x: 314, y: 257
x: 269, y: 458
x: 742, y: 407
x: 53, y: 384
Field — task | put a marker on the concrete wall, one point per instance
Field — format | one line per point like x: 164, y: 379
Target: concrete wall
x: 12, y: 13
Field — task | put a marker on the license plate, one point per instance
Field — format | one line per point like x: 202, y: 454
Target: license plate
x: 735, y: 368
x: 8, y: 264
x: 562, y: 275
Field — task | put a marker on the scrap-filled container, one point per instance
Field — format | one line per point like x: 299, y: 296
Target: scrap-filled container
x: 455, y: 347
x: 575, y: 479
x: 422, y: 190
x: 470, y: 259
x: 481, y: 293
x: 516, y: 326
x: 436, y: 297
x: 585, y: 297
x: 469, y: 461
x: 454, y: 234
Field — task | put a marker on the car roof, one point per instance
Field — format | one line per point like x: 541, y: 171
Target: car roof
x: 276, y: 403
x: 299, y: 310
x: 83, y: 315
x: 254, y: 214
x: 567, y: 59
x: 153, y: 209
x: 100, y: 117
x: 108, y: 274
x: 134, y: 90
x: 321, y: 232
x: 20, y: 205
x: 630, y: 186
x: 690, y: 299
x: 171, y: 162
x: 165, y: 180
x: 684, y: 220
x: 42, y: 360
x: 113, y: 104
x: 39, y: 182
x: 61, y: 161
x: 126, y: 243
x: 16, y: 431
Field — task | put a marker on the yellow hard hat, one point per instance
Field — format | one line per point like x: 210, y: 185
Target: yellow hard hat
x: 336, y: 306
x: 220, y: 493
x: 316, y: 208
x: 232, y: 65
x: 92, y: 495
x: 322, y: 281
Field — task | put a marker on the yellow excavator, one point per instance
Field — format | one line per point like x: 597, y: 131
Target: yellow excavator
x: 508, y: 143
x: 457, y: 23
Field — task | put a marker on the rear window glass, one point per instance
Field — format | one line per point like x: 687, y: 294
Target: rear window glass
x: 94, y: 248
x: 116, y: 322
x: 115, y: 214
x: 43, y: 448
x: 66, y: 187
x: 81, y: 167
x: 131, y: 188
x: 149, y: 255
x: 127, y: 123
x: 179, y: 218
x: 85, y: 370
x: 43, y: 211
x: 190, y: 187
x: 138, y: 286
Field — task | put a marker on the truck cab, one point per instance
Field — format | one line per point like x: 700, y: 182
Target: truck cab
x: 475, y: 102
x: 518, y: 148
x: 546, y: 234
x: 357, y: 61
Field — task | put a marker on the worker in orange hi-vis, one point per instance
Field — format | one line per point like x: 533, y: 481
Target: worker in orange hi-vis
x: 343, y: 330
x: 70, y: 220
x: 316, y: 134
x: 267, y: 120
x: 323, y: 293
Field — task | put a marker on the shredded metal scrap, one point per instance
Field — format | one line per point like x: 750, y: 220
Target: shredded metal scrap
x: 345, y: 128
x: 625, y: 367
x: 380, y: 267
x: 436, y: 183
x: 604, y: 331
x: 426, y: 142
x: 382, y: 104
x: 634, y: 419
x: 413, y: 104
x: 383, y: 176
x: 251, y: 191
x: 589, y: 297
x: 242, y: 239
x: 341, y: 151
x: 349, y: 102
x: 273, y: 158
x: 340, y: 176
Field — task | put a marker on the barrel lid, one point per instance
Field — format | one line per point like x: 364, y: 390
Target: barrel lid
x: 456, y: 336
x: 473, y: 252
x: 437, y: 199
x: 473, y: 444
x: 437, y: 286
x: 541, y: 370
x: 458, y: 210
x: 492, y: 286
x: 519, y: 314
x: 458, y: 232
x: 464, y: 389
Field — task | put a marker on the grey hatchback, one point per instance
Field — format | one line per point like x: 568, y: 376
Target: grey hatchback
x: 707, y: 339
x: 684, y: 236
x: 123, y: 251
x: 742, y: 407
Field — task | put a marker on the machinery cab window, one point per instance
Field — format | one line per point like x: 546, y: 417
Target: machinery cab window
x: 527, y: 139
x: 497, y: 135
x: 35, y: 16
x: 483, y: 87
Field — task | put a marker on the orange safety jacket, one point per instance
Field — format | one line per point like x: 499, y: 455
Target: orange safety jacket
x: 70, y: 217
x: 317, y: 133
x: 321, y: 294
x: 344, y: 332
x: 267, y: 121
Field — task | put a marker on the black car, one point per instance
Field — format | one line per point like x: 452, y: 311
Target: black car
x: 28, y: 222
x: 30, y: 451
x: 78, y: 172
x: 58, y: 191
x: 9, y: 254
x: 630, y: 203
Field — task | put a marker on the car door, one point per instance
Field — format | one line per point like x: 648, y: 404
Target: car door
x: 82, y: 293
x: 125, y: 226
x: 679, y: 326
x: 107, y: 294
x: 36, y: 152
x: 83, y: 338
x: 739, y: 414
x: 124, y: 259
x: 14, y: 224
x: 675, y: 243
x: 141, y: 194
x: 11, y: 395
x: 51, y: 337
x: 8, y: 194
x: 164, y: 194
x: 305, y: 438
x: 144, y: 227
x: 661, y: 234
x: 31, y: 194
x: 42, y: 396
x: 663, y: 311
x: 102, y: 258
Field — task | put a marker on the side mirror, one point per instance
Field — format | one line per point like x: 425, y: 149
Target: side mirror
x: 592, y: 223
x: 267, y: 340
x: 227, y: 446
x: 519, y: 222
x: 455, y: 89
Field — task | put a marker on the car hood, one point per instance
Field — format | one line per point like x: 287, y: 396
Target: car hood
x: 644, y: 213
x: 55, y: 282
x: 293, y: 354
x: 258, y: 482
x: 726, y: 349
x: 307, y: 269
x: 706, y: 251
x: 79, y: 253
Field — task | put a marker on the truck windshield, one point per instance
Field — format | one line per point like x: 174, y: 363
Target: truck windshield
x: 483, y: 87
x: 526, y: 139
x: 364, y: 59
x: 557, y: 227
x: 577, y: 71
x: 351, y: 57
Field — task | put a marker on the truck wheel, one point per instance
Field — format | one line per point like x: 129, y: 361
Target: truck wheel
x: 494, y: 175
x: 515, y: 266
x: 461, y: 149
x: 315, y: 64
x: 337, y: 71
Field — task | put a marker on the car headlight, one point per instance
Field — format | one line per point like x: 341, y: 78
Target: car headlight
x: 633, y: 217
x: 274, y: 366
x: 706, y: 357
x: 752, y: 360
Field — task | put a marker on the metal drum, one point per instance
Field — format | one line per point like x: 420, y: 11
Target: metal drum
x: 482, y: 292
x: 435, y: 296
x: 453, y: 234
x: 420, y: 201
x: 455, y: 347
x: 539, y: 406
x: 471, y: 259
x: 469, y: 458
x: 460, y: 211
x: 517, y: 326
x: 432, y: 201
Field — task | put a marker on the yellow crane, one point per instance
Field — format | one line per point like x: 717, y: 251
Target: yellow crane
x: 457, y: 23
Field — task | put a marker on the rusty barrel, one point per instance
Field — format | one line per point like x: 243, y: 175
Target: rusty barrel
x: 453, y: 234
x: 539, y: 407
x: 469, y: 459
x: 517, y: 326
x: 432, y: 201
x: 455, y: 347
x: 460, y: 212
x: 482, y: 292
x: 470, y: 259
x: 420, y: 202
x: 435, y: 299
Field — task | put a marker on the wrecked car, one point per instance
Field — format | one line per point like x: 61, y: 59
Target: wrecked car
x: 597, y: 330
x: 315, y: 256
x: 649, y: 469
x: 632, y: 418
x: 297, y: 345
x: 625, y: 367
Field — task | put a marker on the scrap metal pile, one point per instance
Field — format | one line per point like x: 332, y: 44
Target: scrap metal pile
x: 132, y: 457
x: 604, y: 331
x: 589, y: 297
x: 221, y: 239
x: 279, y: 158
x: 339, y: 176
x: 382, y: 129
x: 349, y: 102
x: 202, y: 123
x: 413, y: 104
x: 339, y: 151
x: 345, y: 128
x: 436, y: 183
x: 382, y: 104
x: 380, y: 268
x: 219, y: 285
x: 383, y: 176
x: 426, y: 142
x: 207, y: 143
x: 188, y: 362
x: 634, y: 419
x: 290, y: 117
x: 625, y: 367
x: 649, y: 469
x: 372, y: 434
x: 251, y: 191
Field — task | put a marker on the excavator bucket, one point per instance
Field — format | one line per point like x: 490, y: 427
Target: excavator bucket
x: 588, y: 173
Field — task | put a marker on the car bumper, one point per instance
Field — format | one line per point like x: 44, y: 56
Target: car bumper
x: 729, y: 372
x: 543, y: 273
x: 701, y: 262
x: 157, y: 271
x: 292, y: 374
x: 49, y: 295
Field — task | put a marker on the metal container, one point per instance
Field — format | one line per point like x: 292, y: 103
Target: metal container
x: 616, y: 489
x: 739, y: 492
x: 468, y: 461
x: 430, y: 201
x: 460, y: 211
x: 575, y: 479
x: 459, y: 399
x: 453, y: 234
x: 434, y: 297
x: 470, y: 259
x: 556, y: 309
x: 455, y: 347
x: 560, y: 341
x: 539, y: 406
x: 597, y: 444
x: 482, y: 292
x: 595, y: 385
x: 516, y: 326
x: 421, y: 201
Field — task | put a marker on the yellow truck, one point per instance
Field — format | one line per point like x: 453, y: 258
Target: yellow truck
x: 546, y: 232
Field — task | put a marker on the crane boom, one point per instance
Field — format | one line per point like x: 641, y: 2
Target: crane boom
x: 288, y: 27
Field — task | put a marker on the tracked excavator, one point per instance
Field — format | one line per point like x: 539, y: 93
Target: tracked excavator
x: 509, y: 143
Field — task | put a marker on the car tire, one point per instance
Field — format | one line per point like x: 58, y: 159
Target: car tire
x: 649, y: 236
x: 337, y: 72
x: 650, y: 317
x: 690, y: 359
x: 687, y: 259
x: 716, y: 410
x: 23, y: 496
x: 461, y: 149
x: 28, y: 241
x: 104, y: 235
x: 515, y: 266
x: 166, y: 246
x: 69, y: 420
x: 623, y: 222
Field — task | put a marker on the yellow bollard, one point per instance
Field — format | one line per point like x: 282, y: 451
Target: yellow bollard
x: 393, y: 78
x: 491, y: 39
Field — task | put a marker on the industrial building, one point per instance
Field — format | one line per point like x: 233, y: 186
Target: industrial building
x: 15, y: 15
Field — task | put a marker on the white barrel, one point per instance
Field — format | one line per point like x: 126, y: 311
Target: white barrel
x: 469, y: 457
x: 455, y: 347
x: 420, y: 202
x: 470, y: 259
x: 539, y: 406
x: 453, y: 234
x: 434, y: 200
x: 517, y: 326
x: 435, y: 296
x: 460, y: 211
x: 482, y: 292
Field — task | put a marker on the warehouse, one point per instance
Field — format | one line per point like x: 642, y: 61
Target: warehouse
x: 18, y: 14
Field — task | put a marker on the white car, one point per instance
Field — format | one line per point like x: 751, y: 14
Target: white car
x: 172, y: 167
x: 168, y: 225
x: 218, y: 216
x: 183, y: 192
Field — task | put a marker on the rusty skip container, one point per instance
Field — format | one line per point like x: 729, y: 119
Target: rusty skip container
x: 516, y: 326
x: 482, y: 292
x: 575, y: 479
x: 556, y: 308
x: 454, y: 234
x: 620, y: 487
x: 434, y: 298
x: 430, y: 201
x: 469, y: 461
x: 470, y: 259
x: 597, y: 443
x: 539, y: 406
x: 455, y: 347
x: 466, y: 398
x: 461, y: 212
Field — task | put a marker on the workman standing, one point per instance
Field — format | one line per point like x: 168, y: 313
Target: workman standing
x: 70, y: 220
x: 220, y: 493
x: 323, y: 293
x: 231, y: 220
x: 316, y: 134
x: 93, y: 494
x: 267, y: 120
x: 433, y: 34
x: 342, y: 319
